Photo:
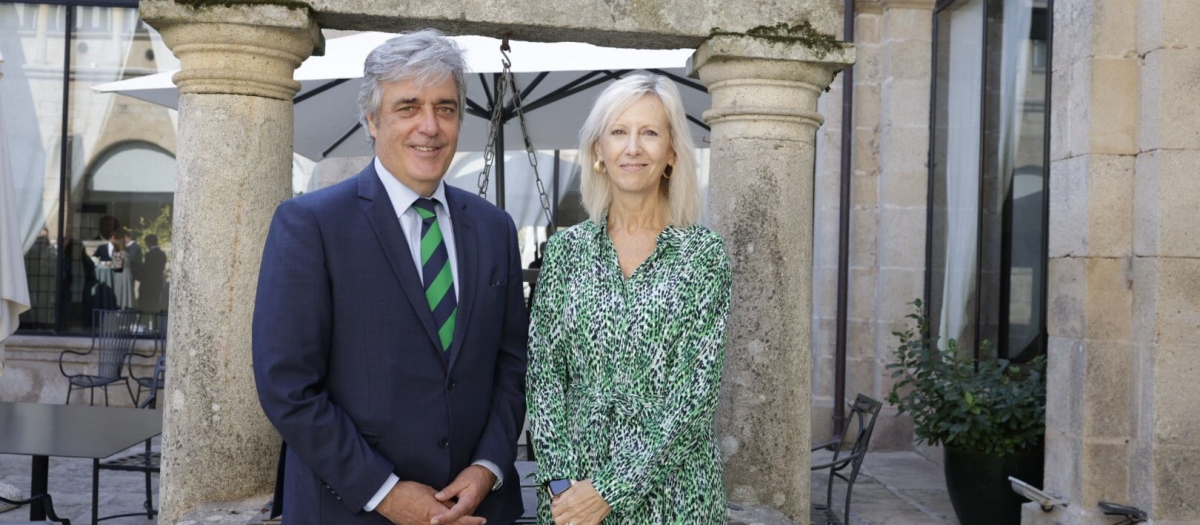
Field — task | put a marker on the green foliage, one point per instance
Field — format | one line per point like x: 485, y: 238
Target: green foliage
x: 160, y: 226
x: 993, y: 406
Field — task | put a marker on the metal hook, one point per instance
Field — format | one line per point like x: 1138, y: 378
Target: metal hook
x: 504, y: 49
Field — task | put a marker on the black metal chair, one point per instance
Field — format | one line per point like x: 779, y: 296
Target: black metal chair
x: 864, y: 410
x: 148, y: 462
x: 112, y: 342
x: 45, y: 501
x: 529, y: 495
x: 159, y: 331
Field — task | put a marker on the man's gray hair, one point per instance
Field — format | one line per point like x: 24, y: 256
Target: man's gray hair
x: 426, y: 56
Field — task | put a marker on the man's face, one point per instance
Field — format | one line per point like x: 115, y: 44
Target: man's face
x: 416, y: 131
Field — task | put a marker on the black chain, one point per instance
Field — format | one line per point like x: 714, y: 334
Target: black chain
x: 489, y: 154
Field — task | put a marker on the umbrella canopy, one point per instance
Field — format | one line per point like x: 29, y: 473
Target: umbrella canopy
x: 558, y: 81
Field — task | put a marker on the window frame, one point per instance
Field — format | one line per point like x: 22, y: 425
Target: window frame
x: 1005, y: 288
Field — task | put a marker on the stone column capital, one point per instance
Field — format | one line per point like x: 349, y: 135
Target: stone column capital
x: 249, y: 49
x: 768, y: 85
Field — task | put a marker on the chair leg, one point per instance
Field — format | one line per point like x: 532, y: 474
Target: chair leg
x: 105, y: 395
x: 70, y: 387
x: 130, y: 389
x: 149, y: 497
x: 95, y: 491
x: 92, y: 400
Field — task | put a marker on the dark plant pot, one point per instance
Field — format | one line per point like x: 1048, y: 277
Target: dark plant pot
x: 979, y: 488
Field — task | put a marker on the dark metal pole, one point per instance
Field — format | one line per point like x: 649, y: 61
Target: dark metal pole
x: 499, y: 149
x: 500, y: 167
x: 843, y: 276
x: 554, y: 196
x: 64, y: 194
x: 39, y: 483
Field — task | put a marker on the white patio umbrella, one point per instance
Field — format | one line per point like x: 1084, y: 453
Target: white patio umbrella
x: 559, y: 81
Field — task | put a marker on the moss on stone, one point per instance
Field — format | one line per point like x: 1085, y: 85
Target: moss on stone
x: 290, y: 4
x: 803, y: 33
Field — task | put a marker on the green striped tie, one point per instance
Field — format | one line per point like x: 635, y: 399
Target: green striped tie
x: 436, y: 273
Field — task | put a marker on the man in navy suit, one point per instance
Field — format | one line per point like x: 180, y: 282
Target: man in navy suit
x: 389, y: 328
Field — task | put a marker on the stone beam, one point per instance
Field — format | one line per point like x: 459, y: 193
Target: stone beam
x: 235, y: 167
x: 651, y: 24
x: 764, y: 121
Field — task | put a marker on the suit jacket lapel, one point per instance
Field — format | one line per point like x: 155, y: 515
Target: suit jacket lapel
x: 382, y: 216
x: 466, y: 249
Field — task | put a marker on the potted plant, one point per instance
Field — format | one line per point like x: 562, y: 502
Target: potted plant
x: 989, y: 417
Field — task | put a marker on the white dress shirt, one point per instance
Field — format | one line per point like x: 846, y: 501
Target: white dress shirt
x: 402, y: 198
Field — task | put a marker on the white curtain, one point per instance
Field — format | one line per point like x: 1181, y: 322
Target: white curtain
x: 30, y: 88
x: 14, y: 291
x: 962, y: 99
x: 1018, y: 16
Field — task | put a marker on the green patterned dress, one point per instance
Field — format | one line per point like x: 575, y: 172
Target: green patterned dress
x: 624, y: 374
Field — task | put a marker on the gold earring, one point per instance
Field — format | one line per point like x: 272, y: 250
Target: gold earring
x: 598, y: 167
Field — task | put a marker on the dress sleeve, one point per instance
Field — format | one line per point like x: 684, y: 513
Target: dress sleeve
x: 691, y: 399
x: 547, y: 375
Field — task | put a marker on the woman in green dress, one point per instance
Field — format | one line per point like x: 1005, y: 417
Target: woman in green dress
x: 627, y: 337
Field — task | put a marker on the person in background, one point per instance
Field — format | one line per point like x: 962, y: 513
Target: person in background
x: 627, y: 338
x: 133, y: 253
x: 153, y: 272
x: 108, y: 225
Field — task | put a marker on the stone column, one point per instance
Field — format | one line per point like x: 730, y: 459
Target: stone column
x: 1122, y: 420
x: 764, y: 121
x: 1165, y: 471
x: 235, y: 166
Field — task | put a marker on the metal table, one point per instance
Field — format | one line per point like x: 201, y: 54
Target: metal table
x: 77, y: 431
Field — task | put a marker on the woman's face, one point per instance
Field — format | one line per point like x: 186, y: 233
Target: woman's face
x: 636, y: 147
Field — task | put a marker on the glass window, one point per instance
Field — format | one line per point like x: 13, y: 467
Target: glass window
x: 121, y: 171
x: 988, y: 224
x: 103, y: 185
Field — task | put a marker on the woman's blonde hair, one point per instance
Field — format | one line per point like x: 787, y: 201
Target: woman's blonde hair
x: 682, y: 189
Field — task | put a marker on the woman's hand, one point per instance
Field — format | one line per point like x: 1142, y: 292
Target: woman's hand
x: 579, y: 505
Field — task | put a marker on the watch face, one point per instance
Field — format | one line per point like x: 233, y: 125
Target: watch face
x: 559, y: 486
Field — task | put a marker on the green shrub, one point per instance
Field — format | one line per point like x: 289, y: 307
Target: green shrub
x: 990, y: 406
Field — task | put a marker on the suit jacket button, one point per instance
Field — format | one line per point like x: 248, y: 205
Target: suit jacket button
x: 444, y: 443
x: 452, y: 385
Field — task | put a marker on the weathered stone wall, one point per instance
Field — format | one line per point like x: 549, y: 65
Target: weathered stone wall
x: 888, y: 198
x: 1122, y: 420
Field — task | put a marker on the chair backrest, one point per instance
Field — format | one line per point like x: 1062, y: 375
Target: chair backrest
x: 864, y: 411
x: 156, y: 382
x: 112, y: 339
x: 160, y: 333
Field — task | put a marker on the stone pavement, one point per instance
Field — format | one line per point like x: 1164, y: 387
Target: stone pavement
x: 895, y: 488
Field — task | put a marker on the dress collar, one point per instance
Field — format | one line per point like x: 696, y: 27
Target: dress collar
x: 671, y: 237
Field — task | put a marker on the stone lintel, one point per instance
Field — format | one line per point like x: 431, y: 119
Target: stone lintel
x: 236, y: 49
x: 647, y: 24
